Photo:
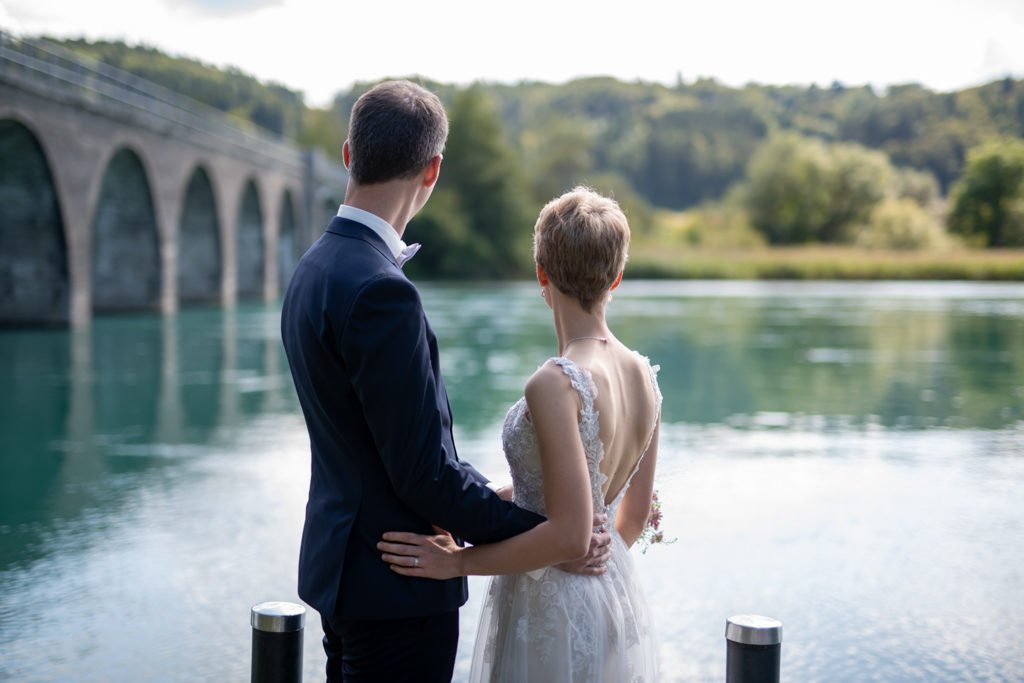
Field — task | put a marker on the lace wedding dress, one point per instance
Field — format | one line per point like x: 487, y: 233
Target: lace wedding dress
x: 549, y: 625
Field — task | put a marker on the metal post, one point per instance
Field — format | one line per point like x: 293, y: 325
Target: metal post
x: 277, y: 642
x: 753, y: 649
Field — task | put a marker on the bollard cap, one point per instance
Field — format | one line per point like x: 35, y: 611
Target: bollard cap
x: 278, y: 617
x: 751, y: 629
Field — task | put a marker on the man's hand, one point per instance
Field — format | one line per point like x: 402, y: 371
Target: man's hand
x: 596, y: 561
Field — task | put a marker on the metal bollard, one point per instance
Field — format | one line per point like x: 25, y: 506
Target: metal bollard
x: 277, y: 642
x: 753, y: 649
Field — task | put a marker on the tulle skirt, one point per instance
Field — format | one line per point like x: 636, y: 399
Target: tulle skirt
x: 559, y: 627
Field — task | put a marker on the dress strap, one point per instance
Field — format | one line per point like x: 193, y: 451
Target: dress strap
x: 581, y: 381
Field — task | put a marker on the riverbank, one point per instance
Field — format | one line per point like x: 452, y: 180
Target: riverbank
x: 824, y: 263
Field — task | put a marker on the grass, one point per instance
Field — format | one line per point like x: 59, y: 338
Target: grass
x: 823, y: 263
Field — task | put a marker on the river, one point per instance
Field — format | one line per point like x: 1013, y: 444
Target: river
x: 845, y: 457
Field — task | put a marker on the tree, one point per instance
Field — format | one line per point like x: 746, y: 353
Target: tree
x: 787, y: 191
x: 802, y: 190
x: 988, y: 201
x: 480, y: 210
x: 559, y: 156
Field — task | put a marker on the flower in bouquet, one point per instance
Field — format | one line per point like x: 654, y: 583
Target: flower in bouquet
x: 653, y: 533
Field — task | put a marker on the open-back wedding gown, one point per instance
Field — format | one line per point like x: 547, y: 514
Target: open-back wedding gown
x: 549, y: 625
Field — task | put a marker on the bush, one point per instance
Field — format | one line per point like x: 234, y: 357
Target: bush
x: 715, y: 226
x: 902, y: 224
x: 801, y: 190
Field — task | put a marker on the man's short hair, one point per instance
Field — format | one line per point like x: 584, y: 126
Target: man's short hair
x: 581, y: 240
x: 395, y: 129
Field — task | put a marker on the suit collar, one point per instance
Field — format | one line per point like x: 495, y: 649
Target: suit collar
x: 346, y: 227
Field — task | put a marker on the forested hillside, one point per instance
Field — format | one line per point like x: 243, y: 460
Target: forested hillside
x: 697, y: 164
x: 270, y: 106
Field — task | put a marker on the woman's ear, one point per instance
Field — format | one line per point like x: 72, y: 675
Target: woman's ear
x: 617, y: 281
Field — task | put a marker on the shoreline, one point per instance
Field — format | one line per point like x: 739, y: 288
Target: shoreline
x: 657, y: 262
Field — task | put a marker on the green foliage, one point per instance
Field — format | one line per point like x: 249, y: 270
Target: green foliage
x: 801, y: 190
x: 270, y: 106
x: 988, y: 202
x: 823, y: 263
x: 719, y: 225
x: 560, y: 155
x: 325, y: 129
x: 450, y: 247
x: 920, y: 186
x: 638, y: 211
x: 491, y: 224
x: 799, y: 164
x: 902, y: 224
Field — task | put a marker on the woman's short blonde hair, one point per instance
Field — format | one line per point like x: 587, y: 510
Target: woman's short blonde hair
x: 581, y: 240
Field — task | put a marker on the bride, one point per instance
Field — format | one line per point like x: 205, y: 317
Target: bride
x: 583, y: 439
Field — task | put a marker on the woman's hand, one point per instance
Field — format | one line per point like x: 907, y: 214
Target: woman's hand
x: 595, y: 562
x: 427, y: 557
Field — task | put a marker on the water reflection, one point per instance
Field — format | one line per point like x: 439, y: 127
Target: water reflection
x: 31, y: 366
x: 928, y: 360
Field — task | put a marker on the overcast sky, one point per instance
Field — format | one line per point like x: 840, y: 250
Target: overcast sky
x: 322, y: 46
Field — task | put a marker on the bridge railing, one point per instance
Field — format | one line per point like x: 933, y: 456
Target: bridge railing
x: 37, y: 65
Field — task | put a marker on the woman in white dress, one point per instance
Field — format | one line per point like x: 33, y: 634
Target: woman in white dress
x: 583, y: 439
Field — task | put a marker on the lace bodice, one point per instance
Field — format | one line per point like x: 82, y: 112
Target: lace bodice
x: 519, y: 441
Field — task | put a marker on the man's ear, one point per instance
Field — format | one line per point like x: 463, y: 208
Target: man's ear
x: 433, y: 171
x: 542, y: 277
x: 346, y: 155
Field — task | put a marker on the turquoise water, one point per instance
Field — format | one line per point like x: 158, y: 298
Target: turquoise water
x: 847, y: 458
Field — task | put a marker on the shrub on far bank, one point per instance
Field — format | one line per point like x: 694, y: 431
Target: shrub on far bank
x: 712, y: 226
x: 902, y: 224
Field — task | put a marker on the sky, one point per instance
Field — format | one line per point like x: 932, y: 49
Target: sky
x: 322, y: 47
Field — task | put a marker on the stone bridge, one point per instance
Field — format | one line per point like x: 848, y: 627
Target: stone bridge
x: 119, y: 195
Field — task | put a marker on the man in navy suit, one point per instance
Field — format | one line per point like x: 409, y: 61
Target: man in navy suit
x: 365, y: 365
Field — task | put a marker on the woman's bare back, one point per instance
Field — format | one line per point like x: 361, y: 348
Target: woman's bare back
x: 626, y: 404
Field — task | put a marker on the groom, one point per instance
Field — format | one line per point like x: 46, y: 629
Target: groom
x: 365, y: 365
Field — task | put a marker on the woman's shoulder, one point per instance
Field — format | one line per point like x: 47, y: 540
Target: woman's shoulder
x: 643, y: 364
x: 553, y: 374
x: 557, y: 378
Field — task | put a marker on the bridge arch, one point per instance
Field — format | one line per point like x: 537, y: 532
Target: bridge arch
x: 125, y: 238
x: 199, y: 249
x: 287, y: 242
x: 249, y: 242
x: 34, y: 284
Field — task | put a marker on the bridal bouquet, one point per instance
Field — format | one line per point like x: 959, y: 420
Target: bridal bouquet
x: 653, y: 532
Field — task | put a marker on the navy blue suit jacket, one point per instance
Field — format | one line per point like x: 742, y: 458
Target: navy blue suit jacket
x: 365, y: 365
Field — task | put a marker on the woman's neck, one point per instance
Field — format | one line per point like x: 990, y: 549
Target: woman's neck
x: 572, y: 323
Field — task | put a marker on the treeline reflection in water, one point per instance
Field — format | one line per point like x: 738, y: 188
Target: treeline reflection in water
x: 845, y: 457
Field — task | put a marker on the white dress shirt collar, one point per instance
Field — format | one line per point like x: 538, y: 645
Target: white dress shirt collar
x: 380, y: 226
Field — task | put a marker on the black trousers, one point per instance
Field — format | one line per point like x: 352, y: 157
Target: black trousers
x: 421, y: 649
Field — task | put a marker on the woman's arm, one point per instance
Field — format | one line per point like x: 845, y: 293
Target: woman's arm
x: 565, y: 535
x: 635, y: 507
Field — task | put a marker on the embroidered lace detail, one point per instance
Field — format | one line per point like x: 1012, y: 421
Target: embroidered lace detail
x: 550, y: 625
